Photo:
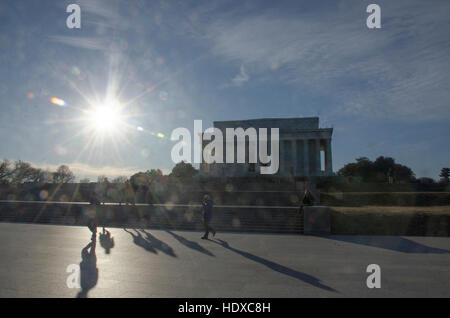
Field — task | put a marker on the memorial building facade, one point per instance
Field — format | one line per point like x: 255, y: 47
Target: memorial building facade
x: 304, y: 149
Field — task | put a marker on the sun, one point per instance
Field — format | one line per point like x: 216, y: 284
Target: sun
x: 105, y: 118
x: 105, y: 127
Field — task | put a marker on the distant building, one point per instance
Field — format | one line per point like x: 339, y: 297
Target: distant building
x: 305, y: 149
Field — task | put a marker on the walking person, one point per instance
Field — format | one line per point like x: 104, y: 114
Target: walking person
x: 91, y: 212
x: 308, y: 200
x: 106, y: 190
x: 207, y: 207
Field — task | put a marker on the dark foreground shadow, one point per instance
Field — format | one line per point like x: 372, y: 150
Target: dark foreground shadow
x: 139, y: 240
x: 150, y: 243
x: 88, y: 268
x: 277, y: 267
x: 106, y: 240
x: 394, y: 243
x: 159, y: 245
x: 191, y: 244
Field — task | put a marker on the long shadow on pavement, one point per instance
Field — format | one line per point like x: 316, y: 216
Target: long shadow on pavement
x: 139, y: 240
x: 88, y: 268
x: 191, y: 244
x: 106, y: 240
x: 158, y: 244
x: 277, y: 267
x: 394, y: 243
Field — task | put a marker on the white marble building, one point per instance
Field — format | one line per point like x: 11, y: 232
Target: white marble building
x: 305, y: 149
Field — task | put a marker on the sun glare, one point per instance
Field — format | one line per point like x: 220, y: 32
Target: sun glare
x: 105, y: 118
x: 105, y: 128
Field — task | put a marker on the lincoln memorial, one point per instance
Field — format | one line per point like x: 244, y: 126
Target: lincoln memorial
x: 305, y: 149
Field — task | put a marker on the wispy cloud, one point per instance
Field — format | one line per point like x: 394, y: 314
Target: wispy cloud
x: 238, y: 80
x: 400, y: 70
x: 82, y: 170
x: 91, y: 43
x: 241, y: 78
x: 100, y: 16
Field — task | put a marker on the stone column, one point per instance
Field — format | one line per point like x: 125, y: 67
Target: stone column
x: 328, y: 158
x: 317, y: 157
x: 294, y: 157
x: 305, y: 157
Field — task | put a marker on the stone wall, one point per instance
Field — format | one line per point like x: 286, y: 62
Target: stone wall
x: 155, y: 216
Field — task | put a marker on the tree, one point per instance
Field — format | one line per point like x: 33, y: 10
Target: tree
x: 45, y: 176
x: 359, y: 169
x: 85, y: 180
x: 36, y: 175
x: 102, y: 179
x: 381, y: 170
x: 63, y: 175
x: 183, y: 171
x: 384, y: 168
x: 119, y: 179
x: 144, y: 179
x: 154, y: 174
x: 403, y: 173
x: 23, y: 172
x: 445, y: 174
x: 139, y: 180
x: 5, y: 172
x: 425, y: 180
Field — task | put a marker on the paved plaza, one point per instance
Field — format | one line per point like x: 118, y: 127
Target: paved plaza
x: 158, y: 263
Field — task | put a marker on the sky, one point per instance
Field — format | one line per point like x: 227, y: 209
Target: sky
x: 167, y: 63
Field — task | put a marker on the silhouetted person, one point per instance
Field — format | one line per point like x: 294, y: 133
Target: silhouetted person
x: 92, y: 214
x: 106, y: 240
x: 106, y: 189
x: 207, y: 207
x: 308, y: 200
x: 88, y: 269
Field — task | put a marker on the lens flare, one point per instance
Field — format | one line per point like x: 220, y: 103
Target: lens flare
x: 58, y: 101
x: 76, y: 71
x: 43, y: 194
